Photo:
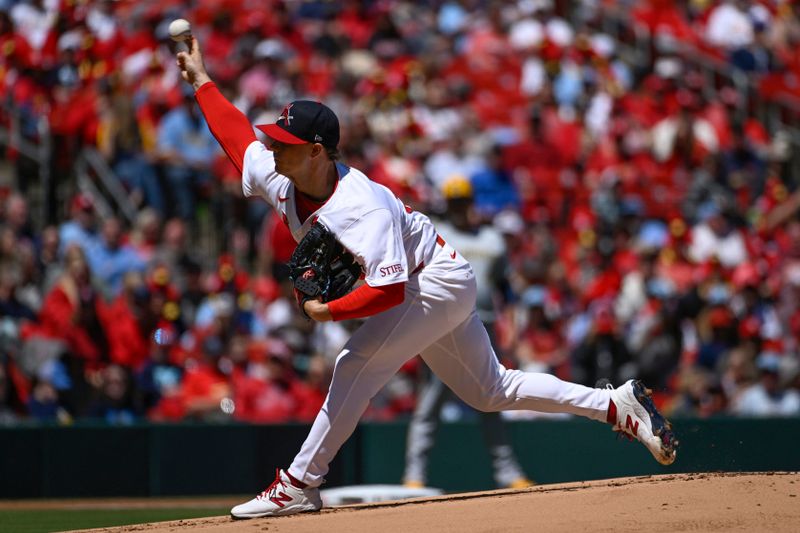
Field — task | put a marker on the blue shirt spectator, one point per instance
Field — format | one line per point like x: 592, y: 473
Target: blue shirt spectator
x: 184, y: 136
x: 188, y: 149
x: 110, y: 260
x: 493, y: 188
x: 79, y: 229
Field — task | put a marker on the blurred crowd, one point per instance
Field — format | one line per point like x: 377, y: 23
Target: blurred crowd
x: 649, y: 221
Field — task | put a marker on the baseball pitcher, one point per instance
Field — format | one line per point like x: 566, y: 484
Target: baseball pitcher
x: 419, y: 294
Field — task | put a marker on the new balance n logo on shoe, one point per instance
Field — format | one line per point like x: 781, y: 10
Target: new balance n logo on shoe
x: 634, y: 428
x: 283, y: 497
x: 279, y: 498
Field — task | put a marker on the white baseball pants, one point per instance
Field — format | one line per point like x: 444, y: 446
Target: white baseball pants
x: 437, y: 320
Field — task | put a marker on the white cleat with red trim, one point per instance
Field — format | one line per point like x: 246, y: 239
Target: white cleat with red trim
x: 285, y: 496
x: 633, y: 413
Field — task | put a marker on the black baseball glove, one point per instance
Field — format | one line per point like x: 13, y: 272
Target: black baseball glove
x: 321, y: 267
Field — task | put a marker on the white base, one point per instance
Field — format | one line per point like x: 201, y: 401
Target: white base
x: 374, y: 493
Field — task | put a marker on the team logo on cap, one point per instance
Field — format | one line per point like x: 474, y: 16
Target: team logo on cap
x: 285, y: 115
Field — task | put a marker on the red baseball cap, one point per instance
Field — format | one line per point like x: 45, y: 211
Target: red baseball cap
x: 82, y: 202
x: 305, y: 121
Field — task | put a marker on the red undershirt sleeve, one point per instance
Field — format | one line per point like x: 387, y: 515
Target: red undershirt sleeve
x: 228, y: 125
x: 367, y: 301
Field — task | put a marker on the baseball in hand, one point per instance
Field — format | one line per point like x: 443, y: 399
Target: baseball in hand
x: 180, y: 30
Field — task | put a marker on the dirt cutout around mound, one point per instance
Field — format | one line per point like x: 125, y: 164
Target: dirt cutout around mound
x: 684, y: 502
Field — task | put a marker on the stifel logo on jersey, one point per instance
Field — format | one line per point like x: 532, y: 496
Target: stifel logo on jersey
x: 392, y: 269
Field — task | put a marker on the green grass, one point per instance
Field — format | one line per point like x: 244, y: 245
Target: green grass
x: 38, y: 521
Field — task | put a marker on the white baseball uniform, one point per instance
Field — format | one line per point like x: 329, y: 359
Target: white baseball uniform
x: 437, y: 318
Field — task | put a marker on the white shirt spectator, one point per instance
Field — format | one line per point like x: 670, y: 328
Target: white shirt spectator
x: 444, y: 164
x: 755, y: 401
x: 560, y: 32
x: 33, y: 24
x: 525, y: 34
x: 729, y: 27
x: 438, y: 123
x: 729, y: 249
x: 665, y: 132
x: 102, y: 24
x: 534, y: 76
x: 598, y: 113
x: 632, y: 297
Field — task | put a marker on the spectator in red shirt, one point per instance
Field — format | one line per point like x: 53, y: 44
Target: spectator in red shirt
x: 206, y: 382
x: 266, y: 387
x: 312, y: 391
x: 128, y: 323
x: 267, y: 396
x: 73, y: 312
x: 540, y: 347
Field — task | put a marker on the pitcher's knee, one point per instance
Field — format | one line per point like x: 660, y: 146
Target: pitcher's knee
x: 489, y: 402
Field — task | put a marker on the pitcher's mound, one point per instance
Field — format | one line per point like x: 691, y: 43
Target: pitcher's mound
x: 696, y: 502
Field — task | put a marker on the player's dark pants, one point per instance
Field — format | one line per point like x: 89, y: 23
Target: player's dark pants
x: 422, y: 434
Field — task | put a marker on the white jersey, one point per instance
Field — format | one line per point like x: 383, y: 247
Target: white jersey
x: 388, y: 240
x: 481, y: 248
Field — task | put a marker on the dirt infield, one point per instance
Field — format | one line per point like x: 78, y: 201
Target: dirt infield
x: 696, y: 502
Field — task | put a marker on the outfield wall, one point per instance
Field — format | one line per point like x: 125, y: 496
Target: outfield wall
x: 161, y: 460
